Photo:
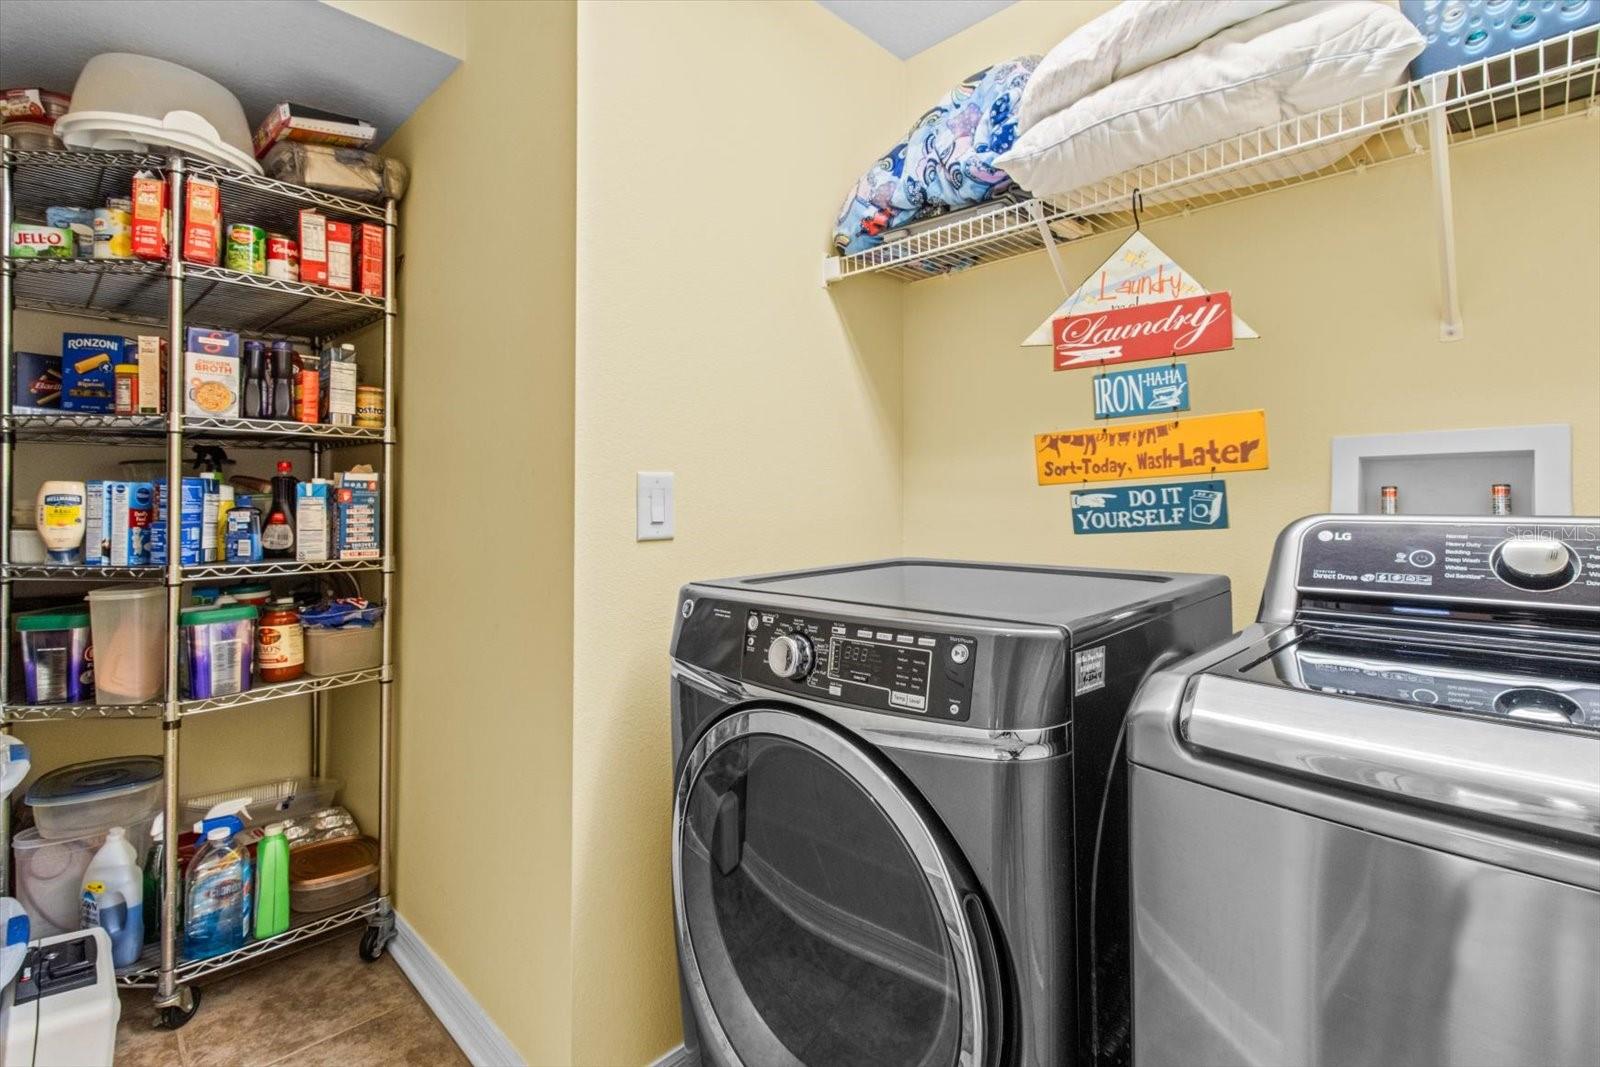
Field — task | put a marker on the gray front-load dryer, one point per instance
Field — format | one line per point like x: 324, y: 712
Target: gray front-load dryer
x: 899, y: 827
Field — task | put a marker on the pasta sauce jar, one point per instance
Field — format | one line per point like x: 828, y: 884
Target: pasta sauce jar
x: 280, y: 642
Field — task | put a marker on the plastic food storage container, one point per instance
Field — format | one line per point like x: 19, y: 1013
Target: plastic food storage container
x: 330, y: 874
x: 129, y: 628
x: 83, y: 798
x: 275, y: 801
x: 217, y: 650
x: 49, y: 873
x: 346, y: 648
x: 345, y: 171
x: 57, y: 666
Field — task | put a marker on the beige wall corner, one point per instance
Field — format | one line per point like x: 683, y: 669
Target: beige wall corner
x: 715, y: 144
x: 440, y: 24
x: 485, y: 522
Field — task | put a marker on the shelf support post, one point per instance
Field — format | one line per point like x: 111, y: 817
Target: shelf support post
x: 167, y: 993
x: 387, y: 525
x: 7, y: 472
x: 1036, y: 212
x: 1435, y: 93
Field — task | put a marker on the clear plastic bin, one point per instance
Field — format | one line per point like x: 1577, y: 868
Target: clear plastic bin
x: 283, y: 798
x: 347, y: 648
x: 49, y: 873
x: 83, y: 798
x: 129, y: 625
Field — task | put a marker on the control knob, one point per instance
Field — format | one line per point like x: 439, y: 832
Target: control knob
x: 1534, y: 563
x: 790, y: 656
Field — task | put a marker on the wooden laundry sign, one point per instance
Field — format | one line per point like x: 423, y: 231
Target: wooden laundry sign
x: 1187, y: 326
x: 1209, y: 444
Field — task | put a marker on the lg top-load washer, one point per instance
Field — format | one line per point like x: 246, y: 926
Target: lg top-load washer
x: 1367, y: 830
x: 897, y: 837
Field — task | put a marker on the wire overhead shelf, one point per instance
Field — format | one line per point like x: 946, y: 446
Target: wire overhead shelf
x: 1549, y: 80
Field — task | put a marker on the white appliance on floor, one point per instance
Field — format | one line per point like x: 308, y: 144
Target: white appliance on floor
x: 59, y: 1007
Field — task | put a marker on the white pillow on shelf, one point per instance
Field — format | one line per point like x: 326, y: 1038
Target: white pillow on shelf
x: 1277, y: 66
x: 1128, y: 38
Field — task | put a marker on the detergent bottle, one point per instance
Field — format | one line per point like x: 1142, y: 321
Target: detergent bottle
x: 272, y: 883
x: 217, y: 893
x: 113, y: 897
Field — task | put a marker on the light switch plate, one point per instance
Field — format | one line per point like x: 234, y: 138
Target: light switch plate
x: 655, y: 510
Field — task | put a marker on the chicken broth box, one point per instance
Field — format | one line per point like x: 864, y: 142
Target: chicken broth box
x: 211, y: 373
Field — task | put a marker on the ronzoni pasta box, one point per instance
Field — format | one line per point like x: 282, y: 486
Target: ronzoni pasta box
x: 88, y: 371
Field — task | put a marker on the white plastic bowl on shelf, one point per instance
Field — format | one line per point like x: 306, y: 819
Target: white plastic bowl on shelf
x: 129, y: 103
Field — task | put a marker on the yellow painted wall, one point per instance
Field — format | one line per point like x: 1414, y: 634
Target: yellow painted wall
x: 1340, y: 279
x: 485, y: 520
x: 715, y: 142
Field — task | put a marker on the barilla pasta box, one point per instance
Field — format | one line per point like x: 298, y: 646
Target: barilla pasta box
x: 211, y: 372
x: 191, y: 509
x: 94, y: 523
x: 357, y: 534
x: 88, y: 371
x: 130, y: 507
x: 35, y: 383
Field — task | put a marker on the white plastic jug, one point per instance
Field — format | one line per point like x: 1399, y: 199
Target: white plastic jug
x: 113, y: 896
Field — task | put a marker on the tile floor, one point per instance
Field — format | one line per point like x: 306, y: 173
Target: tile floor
x: 319, y: 1006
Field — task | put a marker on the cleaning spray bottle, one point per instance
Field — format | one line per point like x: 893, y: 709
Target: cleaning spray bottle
x: 272, y: 882
x: 217, y: 890
x: 113, y: 897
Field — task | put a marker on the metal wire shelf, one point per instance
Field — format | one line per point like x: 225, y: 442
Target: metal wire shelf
x: 1548, y: 80
x: 135, y: 292
x: 149, y: 430
x: 145, y: 973
x: 46, y: 178
x: 259, y: 694
x: 271, y: 568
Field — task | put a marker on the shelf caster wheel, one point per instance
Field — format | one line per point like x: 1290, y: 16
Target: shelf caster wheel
x: 174, y: 1016
x: 373, y: 943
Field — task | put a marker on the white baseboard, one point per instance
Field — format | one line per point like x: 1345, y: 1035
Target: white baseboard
x: 677, y: 1057
x: 480, y: 1039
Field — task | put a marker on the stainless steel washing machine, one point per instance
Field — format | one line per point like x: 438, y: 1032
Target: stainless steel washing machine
x: 897, y: 835
x: 1367, y: 830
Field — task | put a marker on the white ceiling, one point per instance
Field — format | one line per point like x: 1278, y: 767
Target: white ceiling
x: 906, y: 27
x: 265, y: 51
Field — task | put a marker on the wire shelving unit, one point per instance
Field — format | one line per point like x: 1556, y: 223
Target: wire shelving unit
x: 172, y: 295
x: 1552, y: 79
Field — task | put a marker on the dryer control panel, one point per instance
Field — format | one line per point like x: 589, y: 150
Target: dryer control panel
x: 871, y: 664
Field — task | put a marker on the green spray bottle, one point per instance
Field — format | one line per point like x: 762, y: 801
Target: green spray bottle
x: 272, y: 883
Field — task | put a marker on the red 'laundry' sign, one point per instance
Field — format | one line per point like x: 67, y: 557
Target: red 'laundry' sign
x: 1186, y: 327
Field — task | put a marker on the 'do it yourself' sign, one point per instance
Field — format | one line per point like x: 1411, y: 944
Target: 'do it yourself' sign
x: 1209, y: 444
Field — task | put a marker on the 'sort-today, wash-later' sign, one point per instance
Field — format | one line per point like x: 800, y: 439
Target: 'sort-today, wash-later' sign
x: 1209, y: 444
x: 1149, y: 508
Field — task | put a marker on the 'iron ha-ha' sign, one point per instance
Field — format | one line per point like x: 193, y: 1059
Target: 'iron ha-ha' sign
x: 1184, y: 327
x: 1141, y: 391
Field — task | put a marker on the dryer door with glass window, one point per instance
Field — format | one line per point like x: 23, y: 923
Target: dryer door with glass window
x: 821, y: 920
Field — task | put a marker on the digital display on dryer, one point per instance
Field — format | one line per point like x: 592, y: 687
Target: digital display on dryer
x: 903, y: 673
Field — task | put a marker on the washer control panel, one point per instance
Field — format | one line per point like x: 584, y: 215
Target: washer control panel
x: 1555, y: 564
x: 871, y: 664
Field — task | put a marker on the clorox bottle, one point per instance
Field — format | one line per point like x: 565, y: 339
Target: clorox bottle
x: 217, y: 895
x: 113, y: 896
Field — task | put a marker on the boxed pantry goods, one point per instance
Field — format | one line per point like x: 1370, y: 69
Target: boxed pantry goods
x: 35, y: 383
x: 345, y: 171
x: 313, y: 514
x: 357, y: 532
x: 313, y: 247
x: 308, y: 125
x: 129, y: 509
x: 211, y: 372
x: 371, y: 237
x: 337, y: 384
x: 202, y: 221
x: 150, y: 361
x: 88, y: 371
x: 80, y: 220
x: 341, y: 255
x: 149, y: 224
x: 191, y: 518
x: 42, y: 242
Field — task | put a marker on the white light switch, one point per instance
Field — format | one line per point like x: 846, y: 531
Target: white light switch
x: 655, y: 510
